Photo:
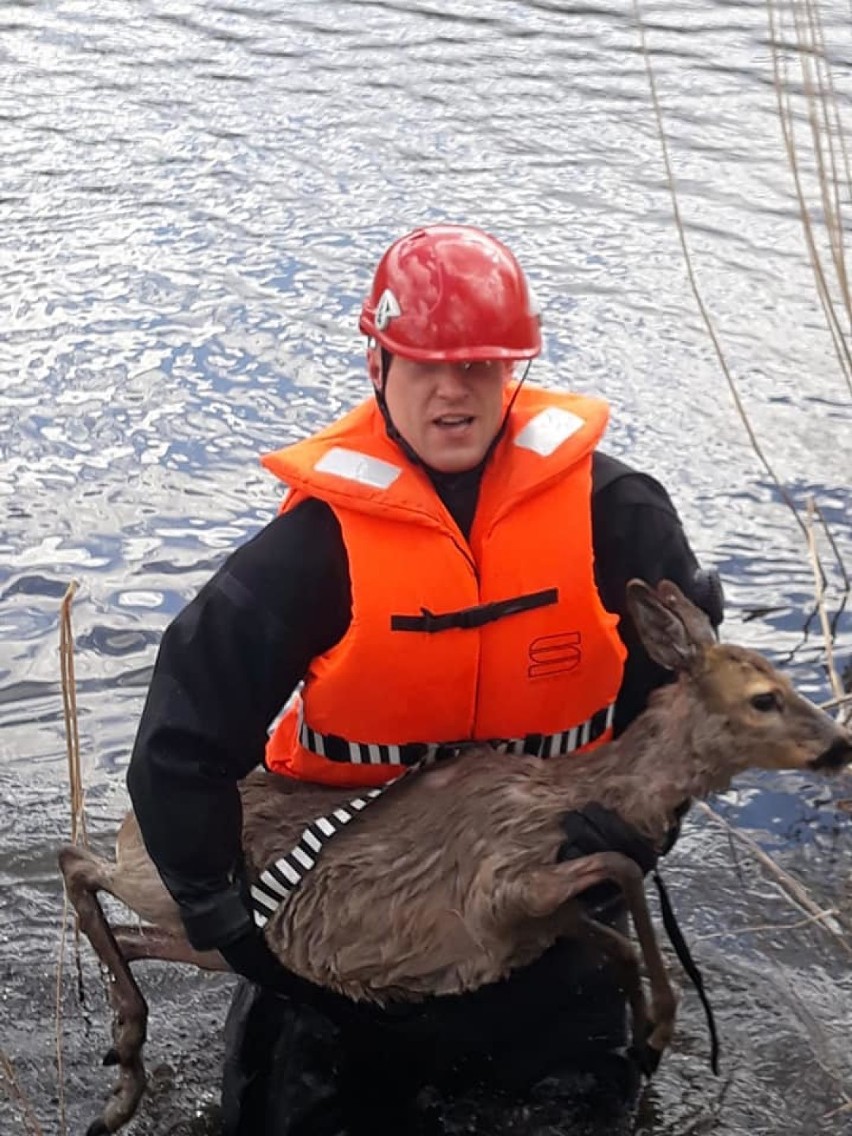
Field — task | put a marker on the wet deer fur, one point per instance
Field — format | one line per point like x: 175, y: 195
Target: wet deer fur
x: 449, y: 879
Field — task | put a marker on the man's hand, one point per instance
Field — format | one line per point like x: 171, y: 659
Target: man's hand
x: 597, y: 829
x: 250, y: 956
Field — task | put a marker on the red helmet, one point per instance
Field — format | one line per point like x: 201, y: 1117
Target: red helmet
x: 451, y: 292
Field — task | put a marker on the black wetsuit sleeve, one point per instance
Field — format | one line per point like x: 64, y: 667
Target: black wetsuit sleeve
x: 225, y: 668
x: 636, y: 533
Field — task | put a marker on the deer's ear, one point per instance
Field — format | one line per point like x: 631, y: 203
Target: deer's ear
x: 659, y: 619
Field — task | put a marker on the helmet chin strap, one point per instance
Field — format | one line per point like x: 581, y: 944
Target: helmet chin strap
x: 390, y: 427
x: 394, y: 434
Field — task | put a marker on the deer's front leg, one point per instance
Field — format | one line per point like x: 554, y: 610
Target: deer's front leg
x: 540, y: 894
x: 621, y: 953
x: 627, y: 874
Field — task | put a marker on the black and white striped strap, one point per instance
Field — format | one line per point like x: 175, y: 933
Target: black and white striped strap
x: 335, y: 748
x: 279, y: 879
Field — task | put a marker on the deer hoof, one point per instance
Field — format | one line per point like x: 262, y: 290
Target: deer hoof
x: 111, y: 1057
x: 645, y: 1057
x: 98, y: 1128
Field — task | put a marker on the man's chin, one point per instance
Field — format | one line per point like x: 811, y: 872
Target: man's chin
x: 459, y: 462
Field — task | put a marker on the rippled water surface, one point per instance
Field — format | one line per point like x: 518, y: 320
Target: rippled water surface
x: 192, y: 197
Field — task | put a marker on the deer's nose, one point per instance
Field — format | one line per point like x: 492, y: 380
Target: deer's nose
x: 838, y: 754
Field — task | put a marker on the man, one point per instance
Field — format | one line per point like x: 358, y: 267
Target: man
x: 449, y: 565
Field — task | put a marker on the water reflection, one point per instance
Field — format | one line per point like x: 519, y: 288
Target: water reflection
x: 192, y: 197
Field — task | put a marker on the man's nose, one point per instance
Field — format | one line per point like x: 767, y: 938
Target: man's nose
x: 453, y: 379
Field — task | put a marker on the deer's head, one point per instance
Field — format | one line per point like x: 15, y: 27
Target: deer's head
x: 749, y: 705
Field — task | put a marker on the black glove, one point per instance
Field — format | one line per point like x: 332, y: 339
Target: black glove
x: 597, y: 829
x: 250, y: 956
x: 708, y: 594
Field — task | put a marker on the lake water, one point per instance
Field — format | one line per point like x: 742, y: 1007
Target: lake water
x: 192, y: 197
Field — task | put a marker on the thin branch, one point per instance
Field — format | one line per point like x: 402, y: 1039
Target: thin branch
x: 833, y: 703
x: 754, y: 928
x: 795, y: 891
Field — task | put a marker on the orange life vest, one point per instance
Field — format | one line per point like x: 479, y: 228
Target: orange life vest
x: 502, y: 637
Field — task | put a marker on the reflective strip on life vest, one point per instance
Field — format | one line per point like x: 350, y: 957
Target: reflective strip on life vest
x: 277, y: 882
x: 352, y: 465
x: 335, y: 748
x: 548, y: 430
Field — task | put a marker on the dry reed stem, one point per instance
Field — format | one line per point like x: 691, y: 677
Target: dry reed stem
x: 832, y: 542
x: 785, y: 113
x: 844, y: 354
x: 819, y: 593
x: 693, y: 281
x: 816, y: 74
x: 69, y: 706
x: 795, y: 891
x: 829, y: 101
x: 825, y: 125
x: 79, y: 832
x: 18, y: 1097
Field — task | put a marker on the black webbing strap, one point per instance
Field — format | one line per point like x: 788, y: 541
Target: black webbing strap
x: 688, y: 963
x: 471, y: 617
x: 597, y: 829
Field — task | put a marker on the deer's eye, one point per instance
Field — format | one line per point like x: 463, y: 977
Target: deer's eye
x: 766, y: 701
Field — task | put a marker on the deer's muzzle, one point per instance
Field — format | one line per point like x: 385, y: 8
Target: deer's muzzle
x: 838, y: 754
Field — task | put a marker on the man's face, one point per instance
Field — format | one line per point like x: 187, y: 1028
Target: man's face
x: 448, y: 413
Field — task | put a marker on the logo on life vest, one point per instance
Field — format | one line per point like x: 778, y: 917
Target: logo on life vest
x: 554, y: 654
x: 386, y: 309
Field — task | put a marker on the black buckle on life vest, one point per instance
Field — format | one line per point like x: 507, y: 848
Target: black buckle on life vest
x: 472, y: 617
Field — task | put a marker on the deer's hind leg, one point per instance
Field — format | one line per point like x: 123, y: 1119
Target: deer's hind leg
x: 137, y: 943
x: 84, y: 877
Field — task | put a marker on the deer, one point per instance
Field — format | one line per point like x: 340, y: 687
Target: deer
x: 476, y: 888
